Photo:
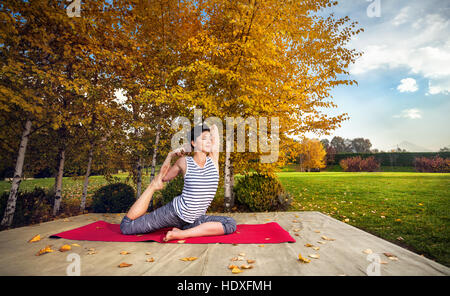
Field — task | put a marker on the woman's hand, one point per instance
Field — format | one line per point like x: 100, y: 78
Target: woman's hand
x: 178, y: 152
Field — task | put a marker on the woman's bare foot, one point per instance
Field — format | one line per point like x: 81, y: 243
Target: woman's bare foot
x: 172, y: 234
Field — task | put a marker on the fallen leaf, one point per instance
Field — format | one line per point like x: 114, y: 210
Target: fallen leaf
x: 321, y: 242
x: 124, y: 253
x: 65, y: 248
x: 147, y: 253
x: 295, y: 221
x: 150, y: 259
x: 261, y: 246
x: 236, y: 270
x: 242, y: 254
x: 47, y: 249
x: 368, y: 251
x: 400, y: 238
x: 296, y: 229
x: 232, y: 266
x: 327, y: 238
x: 250, y: 261
x: 391, y: 256
x: 317, y: 231
x: 124, y: 264
x: 188, y: 258
x: 383, y: 262
x: 303, y: 260
x: 35, y: 238
x: 297, y: 234
x: 315, y: 256
x: 245, y: 266
x: 316, y: 248
x: 76, y: 245
x: 181, y: 241
x: 346, y: 220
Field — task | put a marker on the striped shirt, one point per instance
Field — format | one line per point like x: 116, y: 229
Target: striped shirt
x: 200, y: 186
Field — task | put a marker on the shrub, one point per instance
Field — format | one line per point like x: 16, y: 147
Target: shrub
x: 432, y: 165
x: 31, y: 207
x: 113, y: 198
x: 259, y: 192
x: 357, y: 164
x: 172, y: 189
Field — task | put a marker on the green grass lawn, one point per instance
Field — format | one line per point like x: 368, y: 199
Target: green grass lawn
x: 413, y: 206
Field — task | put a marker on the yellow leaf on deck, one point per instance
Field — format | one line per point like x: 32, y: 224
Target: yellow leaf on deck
x: 303, y: 260
x: 327, y: 238
x: 65, y: 248
x: 124, y: 253
x: 308, y: 245
x: 124, y: 264
x: 236, y: 270
x: 150, y: 259
x: 47, y: 249
x: 188, y: 258
x: 245, y: 266
x: 76, y: 245
x: 35, y: 238
x: 250, y: 261
x: 315, y: 256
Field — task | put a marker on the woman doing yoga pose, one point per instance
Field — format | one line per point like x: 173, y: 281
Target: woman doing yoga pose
x: 186, y: 213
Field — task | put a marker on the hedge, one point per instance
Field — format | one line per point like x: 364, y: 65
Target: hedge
x: 393, y: 158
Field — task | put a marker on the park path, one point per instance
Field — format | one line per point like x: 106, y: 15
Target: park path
x: 343, y: 251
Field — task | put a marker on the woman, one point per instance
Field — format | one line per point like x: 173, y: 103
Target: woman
x: 186, y: 212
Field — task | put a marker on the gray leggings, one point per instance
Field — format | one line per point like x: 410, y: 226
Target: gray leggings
x: 165, y: 216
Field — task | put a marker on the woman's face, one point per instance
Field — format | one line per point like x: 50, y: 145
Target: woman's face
x: 203, y: 142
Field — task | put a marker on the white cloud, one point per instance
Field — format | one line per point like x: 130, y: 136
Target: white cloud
x: 421, y: 44
x: 407, y: 85
x: 402, y: 17
x: 413, y: 113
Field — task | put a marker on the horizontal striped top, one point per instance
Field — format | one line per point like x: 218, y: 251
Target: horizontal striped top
x: 200, y: 186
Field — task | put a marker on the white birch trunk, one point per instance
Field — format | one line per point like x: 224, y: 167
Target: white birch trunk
x: 155, y: 151
x: 86, y: 181
x: 228, y: 198
x: 139, y: 178
x: 58, y: 182
x: 11, y: 204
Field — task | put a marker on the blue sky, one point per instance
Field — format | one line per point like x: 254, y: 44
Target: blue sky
x: 403, y: 75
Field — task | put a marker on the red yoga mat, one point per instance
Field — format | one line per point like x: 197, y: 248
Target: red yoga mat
x: 268, y: 233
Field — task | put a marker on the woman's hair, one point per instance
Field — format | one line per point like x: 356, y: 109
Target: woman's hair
x: 196, y: 131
